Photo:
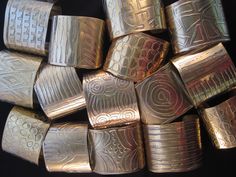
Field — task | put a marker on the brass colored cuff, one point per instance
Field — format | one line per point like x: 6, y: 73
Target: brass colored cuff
x: 195, y: 24
x: 24, y: 134
x: 76, y: 42
x: 174, y: 147
x: 136, y: 56
x: 125, y: 17
x: 162, y: 97
x: 206, y: 74
x: 110, y: 100
x: 65, y: 148
x: 59, y: 91
x: 17, y: 77
x: 117, y: 150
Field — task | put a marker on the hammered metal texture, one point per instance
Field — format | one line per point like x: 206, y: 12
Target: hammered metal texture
x: 173, y: 147
x: 130, y: 16
x: 136, y: 56
x: 65, y: 148
x: 24, y: 134
x: 110, y: 100
x: 117, y: 150
x: 17, y: 77
x: 206, y: 74
x: 59, y: 91
x: 162, y: 97
x: 77, y: 42
x: 196, y: 23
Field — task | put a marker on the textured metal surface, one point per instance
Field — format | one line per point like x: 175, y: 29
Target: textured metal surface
x: 77, y: 41
x: 125, y: 17
x: 174, y: 147
x: 24, y: 134
x: 65, y: 148
x: 161, y: 97
x: 59, y: 91
x: 136, y: 56
x: 206, y: 74
x: 110, y: 101
x: 117, y: 150
x: 196, y: 23
x: 17, y: 77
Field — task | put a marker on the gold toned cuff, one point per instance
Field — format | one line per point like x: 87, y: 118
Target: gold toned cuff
x: 194, y: 24
x: 17, y: 77
x: 59, y: 91
x: 77, y: 42
x: 206, y: 74
x: 24, y: 134
x: 136, y: 56
x: 117, y: 150
x: 161, y: 97
x: 125, y: 17
x: 110, y: 101
x: 65, y: 148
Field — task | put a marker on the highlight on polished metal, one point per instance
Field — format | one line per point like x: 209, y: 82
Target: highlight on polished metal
x: 77, y: 42
x: 65, y: 148
x: 59, y: 91
x: 135, y: 56
x: 17, y: 77
x: 162, y: 97
x: 24, y: 134
x: 117, y: 150
x: 174, y: 147
x: 110, y: 100
x: 196, y: 23
x: 126, y: 17
x: 207, y: 73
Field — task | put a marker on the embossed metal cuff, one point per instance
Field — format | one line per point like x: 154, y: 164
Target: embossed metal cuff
x: 24, y: 134
x: 195, y: 24
x: 206, y: 74
x: 117, y: 150
x: 65, y: 148
x: 59, y: 91
x: 126, y: 17
x: 135, y: 56
x: 110, y: 100
x: 162, y: 97
x: 77, y: 42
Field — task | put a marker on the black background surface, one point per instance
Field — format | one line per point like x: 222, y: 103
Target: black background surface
x: 215, y: 162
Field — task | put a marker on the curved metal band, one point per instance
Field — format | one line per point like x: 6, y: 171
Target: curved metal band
x: 162, y: 97
x: 110, y: 101
x: 206, y: 74
x: 24, y: 134
x: 117, y: 150
x: 194, y: 24
x: 135, y: 56
x: 65, y: 148
x: 126, y: 17
x: 17, y: 77
x: 76, y: 41
x: 59, y: 91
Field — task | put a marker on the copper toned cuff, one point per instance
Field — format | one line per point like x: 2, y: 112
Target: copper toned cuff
x: 77, y: 42
x: 110, y: 101
x: 206, y: 74
x: 162, y: 97
x: 136, y: 56
x: 17, y: 77
x: 65, y: 148
x: 117, y: 150
x: 125, y: 17
x: 24, y: 134
x: 59, y: 91
x: 195, y: 24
